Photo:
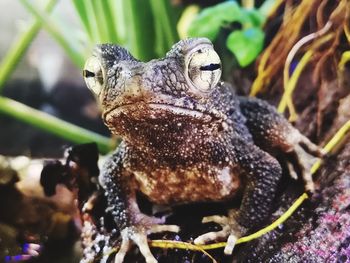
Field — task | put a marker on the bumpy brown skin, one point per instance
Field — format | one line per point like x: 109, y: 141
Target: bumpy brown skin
x: 182, y: 144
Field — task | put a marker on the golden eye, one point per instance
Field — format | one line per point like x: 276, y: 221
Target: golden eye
x: 94, y: 75
x: 204, y: 68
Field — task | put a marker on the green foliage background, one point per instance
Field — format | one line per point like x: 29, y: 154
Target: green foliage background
x: 146, y: 28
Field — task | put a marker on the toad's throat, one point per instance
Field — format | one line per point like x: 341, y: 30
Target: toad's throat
x: 156, y: 110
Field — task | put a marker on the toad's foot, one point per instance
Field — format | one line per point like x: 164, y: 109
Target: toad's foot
x: 138, y: 234
x: 231, y: 231
x: 302, y: 157
x: 302, y: 162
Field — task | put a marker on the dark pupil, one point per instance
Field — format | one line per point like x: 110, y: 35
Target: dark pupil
x: 210, y: 67
x: 88, y: 74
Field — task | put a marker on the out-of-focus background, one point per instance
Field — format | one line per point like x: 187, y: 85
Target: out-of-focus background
x: 44, y: 78
x: 44, y: 44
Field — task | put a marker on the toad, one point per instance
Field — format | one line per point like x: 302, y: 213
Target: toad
x: 186, y: 138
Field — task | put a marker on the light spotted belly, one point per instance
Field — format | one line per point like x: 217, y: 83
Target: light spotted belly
x: 164, y: 186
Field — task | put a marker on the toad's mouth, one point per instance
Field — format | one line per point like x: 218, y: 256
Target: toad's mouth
x: 158, y: 111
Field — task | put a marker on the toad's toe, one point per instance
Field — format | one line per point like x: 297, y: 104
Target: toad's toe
x: 221, y: 220
x: 164, y: 228
x: 311, y: 148
x: 302, y: 161
x: 292, y: 171
x: 138, y: 235
x: 231, y: 231
x: 213, y: 236
x: 124, y: 247
x: 231, y: 242
x: 225, y: 233
x: 141, y: 242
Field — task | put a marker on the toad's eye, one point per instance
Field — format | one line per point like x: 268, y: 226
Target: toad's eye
x: 94, y: 75
x: 204, y: 68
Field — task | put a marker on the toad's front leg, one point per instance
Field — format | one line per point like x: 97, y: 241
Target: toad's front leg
x: 263, y: 173
x: 274, y: 134
x: 134, y: 226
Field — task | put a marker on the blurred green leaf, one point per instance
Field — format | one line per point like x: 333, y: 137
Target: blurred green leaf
x: 101, y: 22
x: 187, y: 16
x: 255, y: 17
x: 68, y: 43
x: 164, y: 25
x: 120, y: 22
x: 211, y: 19
x: 140, y: 37
x: 81, y: 9
x: 19, y: 47
x: 110, y: 21
x: 246, y: 44
x: 94, y: 30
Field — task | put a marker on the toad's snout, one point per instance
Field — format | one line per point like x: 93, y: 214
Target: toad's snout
x: 133, y: 88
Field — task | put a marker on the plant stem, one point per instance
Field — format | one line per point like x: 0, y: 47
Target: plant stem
x: 117, y: 9
x: 20, y: 46
x: 294, y: 80
x: 92, y: 22
x: 269, y: 7
x: 68, y: 44
x: 140, y: 36
x: 101, y: 23
x: 80, y: 8
x: 110, y: 21
x: 53, y: 125
x: 164, y: 24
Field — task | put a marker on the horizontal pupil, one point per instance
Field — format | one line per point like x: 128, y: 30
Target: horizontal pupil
x: 210, y: 67
x: 88, y: 74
